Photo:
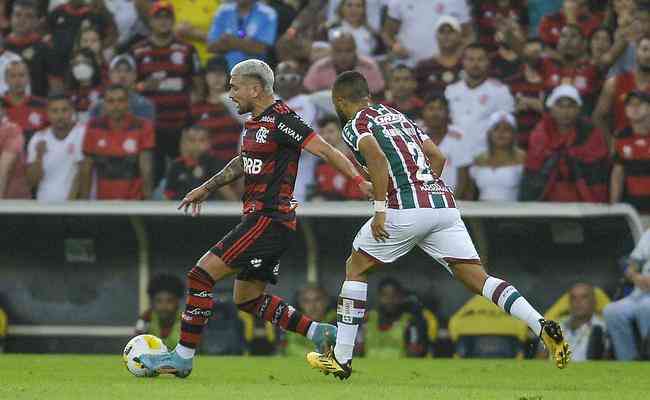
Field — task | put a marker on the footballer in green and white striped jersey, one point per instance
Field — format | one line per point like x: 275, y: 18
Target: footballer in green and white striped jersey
x: 411, y: 184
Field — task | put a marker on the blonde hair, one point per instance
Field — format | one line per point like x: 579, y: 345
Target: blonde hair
x: 257, y: 69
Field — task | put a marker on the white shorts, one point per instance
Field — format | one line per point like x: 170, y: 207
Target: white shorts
x: 440, y: 232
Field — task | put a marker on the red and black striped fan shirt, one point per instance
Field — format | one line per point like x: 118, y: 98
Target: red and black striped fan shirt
x: 174, y: 65
x: 225, y: 130
x: 632, y: 151
x: 271, y: 147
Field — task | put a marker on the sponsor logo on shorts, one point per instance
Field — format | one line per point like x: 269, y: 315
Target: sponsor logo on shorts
x: 256, y: 262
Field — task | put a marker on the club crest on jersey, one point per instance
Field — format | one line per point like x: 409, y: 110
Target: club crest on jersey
x: 289, y: 131
x: 256, y: 262
x: 261, y: 135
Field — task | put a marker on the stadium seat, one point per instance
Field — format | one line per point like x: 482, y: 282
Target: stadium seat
x: 561, y: 307
x: 480, y: 329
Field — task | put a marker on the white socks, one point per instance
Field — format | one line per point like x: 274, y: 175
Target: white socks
x: 509, y: 300
x: 184, y: 352
x: 312, y: 330
x: 350, y: 312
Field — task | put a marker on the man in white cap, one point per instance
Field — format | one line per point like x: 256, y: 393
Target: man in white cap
x: 435, y: 73
x: 567, y: 158
x: 122, y: 71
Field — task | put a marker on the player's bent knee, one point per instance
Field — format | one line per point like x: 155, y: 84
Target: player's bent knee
x: 358, y: 266
x: 472, y: 275
x: 215, y: 266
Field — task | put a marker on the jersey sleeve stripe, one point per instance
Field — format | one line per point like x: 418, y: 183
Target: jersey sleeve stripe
x: 308, y: 139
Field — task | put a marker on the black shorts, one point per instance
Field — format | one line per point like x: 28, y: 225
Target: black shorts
x: 254, y: 247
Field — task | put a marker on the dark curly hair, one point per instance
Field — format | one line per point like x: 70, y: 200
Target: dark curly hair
x: 166, y: 283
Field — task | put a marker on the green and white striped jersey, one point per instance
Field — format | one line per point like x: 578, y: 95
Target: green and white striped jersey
x: 412, y: 184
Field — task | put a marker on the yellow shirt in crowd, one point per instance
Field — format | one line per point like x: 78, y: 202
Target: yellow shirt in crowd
x: 198, y: 13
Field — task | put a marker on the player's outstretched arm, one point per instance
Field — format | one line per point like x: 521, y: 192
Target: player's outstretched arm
x: 320, y: 148
x: 378, y: 170
x: 230, y: 173
x: 435, y: 157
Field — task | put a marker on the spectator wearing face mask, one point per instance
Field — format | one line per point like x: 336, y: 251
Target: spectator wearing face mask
x: 84, y: 82
x: 90, y: 38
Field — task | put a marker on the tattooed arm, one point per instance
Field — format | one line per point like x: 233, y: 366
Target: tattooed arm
x: 228, y: 174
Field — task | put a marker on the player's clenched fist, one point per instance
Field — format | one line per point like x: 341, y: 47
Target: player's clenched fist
x: 194, y: 198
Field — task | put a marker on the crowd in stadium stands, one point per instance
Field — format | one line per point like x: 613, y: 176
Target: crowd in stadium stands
x: 528, y: 100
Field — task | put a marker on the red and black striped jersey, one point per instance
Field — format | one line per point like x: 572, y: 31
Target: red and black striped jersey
x: 30, y: 114
x: 271, y: 147
x: 520, y: 87
x: 585, y: 76
x: 632, y: 151
x: 174, y: 65
x: 225, y: 130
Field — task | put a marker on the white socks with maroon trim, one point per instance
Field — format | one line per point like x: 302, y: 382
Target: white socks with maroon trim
x: 350, y: 311
x: 509, y: 300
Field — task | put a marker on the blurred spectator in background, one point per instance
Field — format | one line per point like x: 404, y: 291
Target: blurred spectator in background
x: 6, y: 57
x: 299, y: 50
x: 476, y: 97
x: 450, y: 140
x: 398, y: 327
x: 163, y: 319
x: 506, y: 61
x: 167, y: 74
x: 537, y: 9
x: 573, y: 12
x: 632, y: 24
x: 373, y: 9
x: 496, y: 174
x: 128, y: 23
x: 194, y: 166
x: 122, y: 71
x: 13, y: 182
x: 288, y: 86
x: 20, y: 107
x: 90, y: 38
x: 213, y: 112
x: 25, y: 40
x: 314, y: 302
x: 600, y: 43
x: 583, y: 329
x: 242, y: 30
x: 118, y: 148
x: 401, y: 92
x: 84, y: 82
x: 193, y: 20
x: 65, y: 22
x: 55, y: 154
x: 411, y: 25
x: 319, y: 50
x: 435, y: 73
x: 489, y: 14
x: 329, y: 183
x: 630, y: 178
x: 322, y: 73
x: 529, y: 92
x: 620, y: 314
x: 352, y: 19
x: 567, y: 158
x: 570, y: 67
x: 610, y: 115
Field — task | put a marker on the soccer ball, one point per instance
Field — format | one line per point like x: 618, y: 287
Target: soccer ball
x: 139, y: 345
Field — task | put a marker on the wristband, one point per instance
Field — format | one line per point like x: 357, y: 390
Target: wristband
x: 380, y: 206
x: 358, y: 180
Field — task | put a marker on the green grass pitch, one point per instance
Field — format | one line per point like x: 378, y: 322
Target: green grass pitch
x: 51, y: 377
